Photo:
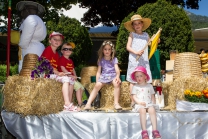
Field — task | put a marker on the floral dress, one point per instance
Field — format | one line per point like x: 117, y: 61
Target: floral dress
x: 138, y: 43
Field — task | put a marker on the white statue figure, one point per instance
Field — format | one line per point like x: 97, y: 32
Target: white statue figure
x: 33, y: 30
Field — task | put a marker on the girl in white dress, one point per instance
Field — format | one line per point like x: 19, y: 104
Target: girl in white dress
x: 143, y: 95
x: 136, y: 42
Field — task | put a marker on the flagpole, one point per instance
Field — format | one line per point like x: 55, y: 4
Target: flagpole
x: 8, y: 36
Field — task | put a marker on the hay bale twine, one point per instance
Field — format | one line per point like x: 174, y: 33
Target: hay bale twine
x: 186, y: 65
x: 179, y: 85
x: 86, y: 74
x: 40, y: 96
x: 29, y: 63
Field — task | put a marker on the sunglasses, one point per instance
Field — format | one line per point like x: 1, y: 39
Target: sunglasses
x: 67, y: 49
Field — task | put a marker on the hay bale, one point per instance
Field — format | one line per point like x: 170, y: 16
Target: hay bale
x: 86, y: 74
x: 107, y: 95
x: 40, y: 96
x: 187, y: 64
x: 178, y: 86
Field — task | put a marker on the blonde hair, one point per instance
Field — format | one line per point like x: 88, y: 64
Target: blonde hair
x: 100, y: 51
x: 69, y: 44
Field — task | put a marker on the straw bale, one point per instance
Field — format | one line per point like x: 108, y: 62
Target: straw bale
x: 175, y: 90
x: 107, y: 95
x: 40, y: 97
x: 86, y: 74
x: 187, y: 64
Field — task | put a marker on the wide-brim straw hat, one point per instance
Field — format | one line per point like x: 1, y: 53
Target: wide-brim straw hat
x: 146, y: 22
x: 21, y: 5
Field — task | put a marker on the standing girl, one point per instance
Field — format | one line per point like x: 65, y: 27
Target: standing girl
x: 136, y: 42
x: 143, y: 96
x: 108, y: 72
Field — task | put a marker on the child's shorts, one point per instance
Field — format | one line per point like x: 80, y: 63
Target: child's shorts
x: 78, y: 85
x: 62, y: 79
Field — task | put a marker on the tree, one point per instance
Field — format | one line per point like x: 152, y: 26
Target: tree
x: 176, y: 30
x: 112, y: 12
x: 53, y: 10
x: 73, y: 31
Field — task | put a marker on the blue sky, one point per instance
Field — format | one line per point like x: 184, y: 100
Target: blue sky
x: 203, y: 8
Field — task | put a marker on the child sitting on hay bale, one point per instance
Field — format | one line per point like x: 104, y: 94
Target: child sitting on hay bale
x: 67, y: 66
x: 55, y: 40
x: 108, y: 64
x: 143, y: 95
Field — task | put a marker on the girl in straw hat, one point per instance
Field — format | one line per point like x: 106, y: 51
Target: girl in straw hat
x: 136, y: 42
x: 143, y: 95
x: 108, y: 72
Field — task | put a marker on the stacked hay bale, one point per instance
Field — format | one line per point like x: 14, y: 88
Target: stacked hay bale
x: 40, y: 96
x: 86, y: 74
x: 187, y: 75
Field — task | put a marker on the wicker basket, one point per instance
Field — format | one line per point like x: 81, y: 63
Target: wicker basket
x: 86, y: 74
x: 186, y: 65
x: 29, y: 62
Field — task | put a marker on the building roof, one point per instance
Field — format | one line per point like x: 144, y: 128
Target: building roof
x: 201, y: 39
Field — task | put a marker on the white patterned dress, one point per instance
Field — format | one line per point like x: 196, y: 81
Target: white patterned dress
x: 138, y: 43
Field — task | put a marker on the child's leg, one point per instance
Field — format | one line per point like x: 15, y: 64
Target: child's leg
x: 143, y: 120
x: 152, y: 114
x: 130, y: 89
x: 70, y: 93
x: 79, y: 96
x: 117, y: 89
x: 93, y: 94
x: 79, y: 89
x: 65, y: 90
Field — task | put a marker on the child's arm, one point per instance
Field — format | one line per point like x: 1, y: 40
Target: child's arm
x: 137, y: 101
x: 118, y: 80
x: 98, y: 73
x: 66, y: 71
x: 128, y: 46
x: 55, y: 71
x: 153, y: 98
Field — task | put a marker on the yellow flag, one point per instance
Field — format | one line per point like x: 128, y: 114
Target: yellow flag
x: 154, y: 43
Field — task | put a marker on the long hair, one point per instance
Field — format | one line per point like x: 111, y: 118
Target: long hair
x: 100, y: 51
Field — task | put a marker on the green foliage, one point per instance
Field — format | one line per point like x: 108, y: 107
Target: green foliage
x: 3, y: 70
x: 176, y: 30
x: 53, y: 9
x: 73, y: 31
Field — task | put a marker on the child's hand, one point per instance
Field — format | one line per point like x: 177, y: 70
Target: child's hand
x: 118, y: 80
x: 60, y: 74
x: 140, y: 52
x: 143, y: 104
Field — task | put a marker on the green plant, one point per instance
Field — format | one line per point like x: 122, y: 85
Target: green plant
x: 3, y: 70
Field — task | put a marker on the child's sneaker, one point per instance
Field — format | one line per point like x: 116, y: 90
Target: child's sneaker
x: 156, y: 134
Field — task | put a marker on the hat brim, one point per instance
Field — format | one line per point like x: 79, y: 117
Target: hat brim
x: 146, y: 24
x: 20, y: 6
x: 133, y: 75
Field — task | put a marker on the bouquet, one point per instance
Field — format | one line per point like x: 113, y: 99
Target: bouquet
x: 201, y: 97
x: 42, y: 68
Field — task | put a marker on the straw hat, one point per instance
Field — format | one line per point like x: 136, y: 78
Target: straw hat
x: 22, y: 4
x: 146, y: 23
x: 141, y: 69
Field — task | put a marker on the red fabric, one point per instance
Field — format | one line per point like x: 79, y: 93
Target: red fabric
x: 159, y: 89
x: 51, y: 56
x: 67, y: 63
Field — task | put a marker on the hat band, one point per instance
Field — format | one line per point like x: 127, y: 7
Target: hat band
x: 136, y: 19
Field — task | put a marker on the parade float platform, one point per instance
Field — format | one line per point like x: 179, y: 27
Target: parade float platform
x: 102, y: 125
